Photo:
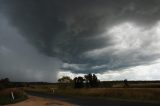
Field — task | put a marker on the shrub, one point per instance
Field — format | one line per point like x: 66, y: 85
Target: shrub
x: 5, y: 96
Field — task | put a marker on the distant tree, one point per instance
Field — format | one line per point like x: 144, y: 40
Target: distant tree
x: 75, y: 82
x: 4, y: 83
x: 78, y: 82
x: 91, y: 80
x: 126, y: 83
x: 88, y: 79
x: 65, y: 79
x: 94, y: 81
x: 65, y: 82
x: 5, y: 80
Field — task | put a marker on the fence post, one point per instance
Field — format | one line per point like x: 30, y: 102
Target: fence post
x: 12, y: 95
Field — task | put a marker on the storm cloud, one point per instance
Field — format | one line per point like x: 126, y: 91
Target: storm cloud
x: 82, y: 36
x: 20, y: 61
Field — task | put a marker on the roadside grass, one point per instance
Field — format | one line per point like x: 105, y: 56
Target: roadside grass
x: 140, y: 94
x: 40, y: 88
x: 137, y: 92
x: 5, y: 96
x: 140, y: 85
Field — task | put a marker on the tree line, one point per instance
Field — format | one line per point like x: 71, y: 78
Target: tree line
x: 89, y: 81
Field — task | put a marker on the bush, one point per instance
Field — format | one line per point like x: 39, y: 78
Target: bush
x: 5, y: 96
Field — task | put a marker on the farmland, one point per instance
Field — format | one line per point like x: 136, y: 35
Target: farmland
x: 139, y: 91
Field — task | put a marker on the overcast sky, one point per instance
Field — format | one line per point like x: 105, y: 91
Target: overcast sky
x: 41, y: 40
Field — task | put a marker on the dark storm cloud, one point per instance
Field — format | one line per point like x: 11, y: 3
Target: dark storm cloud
x: 20, y: 61
x: 71, y: 30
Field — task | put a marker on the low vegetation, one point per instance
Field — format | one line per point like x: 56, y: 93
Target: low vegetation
x: 6, y: 97
x: 128, y: 90
x: 10, y: 92
x: 142, y: 94
x: 90, y: 86
x: 42, y: 88
x: 138, y: 94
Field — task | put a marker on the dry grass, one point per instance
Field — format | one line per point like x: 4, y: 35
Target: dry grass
x: 140, y: 85
x: 145, y: 94
x: 40, y: 88
x: 140, y: 93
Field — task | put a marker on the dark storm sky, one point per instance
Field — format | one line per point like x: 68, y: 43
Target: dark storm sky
x: 39, y: 38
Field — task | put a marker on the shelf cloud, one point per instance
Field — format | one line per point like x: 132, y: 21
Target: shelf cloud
x: 78, y: 36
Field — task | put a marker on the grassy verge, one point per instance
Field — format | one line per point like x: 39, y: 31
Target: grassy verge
x: 38, y: 90
x: 140, y: 94
x: 137, y: 94
x: 5, y: 96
